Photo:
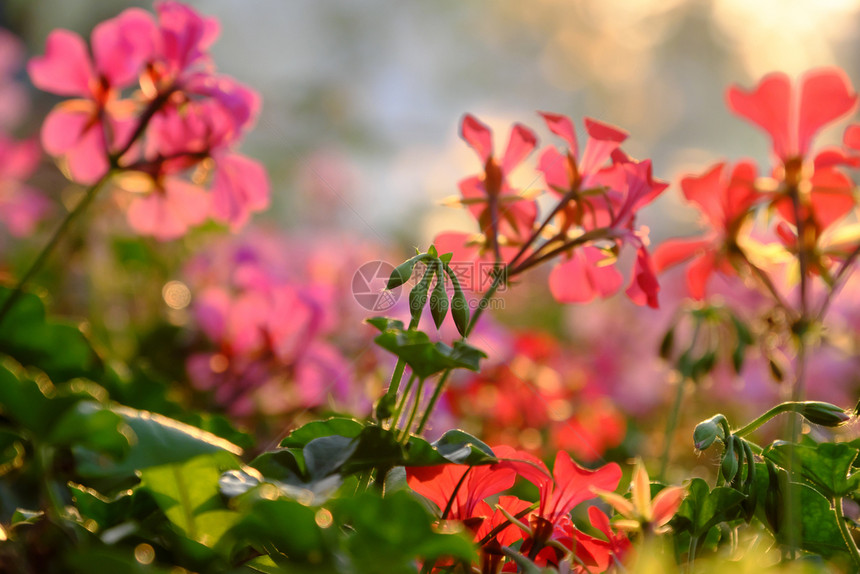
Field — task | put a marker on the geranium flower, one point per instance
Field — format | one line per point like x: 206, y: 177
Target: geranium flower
x: 601, y: 200
x: 792, y: 118
x: 499, y: 209
x: 85, y: 130
x: 724, y: 198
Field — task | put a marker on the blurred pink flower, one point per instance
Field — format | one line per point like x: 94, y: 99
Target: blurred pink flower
x: 83, y: 129
x: 14, y: 102
x: 21, y: 206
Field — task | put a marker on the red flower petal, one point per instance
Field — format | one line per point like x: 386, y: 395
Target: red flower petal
x: 478, y: 136
x: 520, y: 145
x: 825, y: 96
x: 767, y: 106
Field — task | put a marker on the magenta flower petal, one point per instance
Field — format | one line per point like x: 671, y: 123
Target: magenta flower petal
x: 21, y: 209
x: 169, y: 213
x: 121, y: 45
x: 520, y: 145
x: 88, y: 158
x: 554, y: 167
x: 241, y: 186
x: 64, y: 127
x: 65, y: 69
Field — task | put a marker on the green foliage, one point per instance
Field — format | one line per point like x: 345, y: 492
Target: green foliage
x: 423, y: 356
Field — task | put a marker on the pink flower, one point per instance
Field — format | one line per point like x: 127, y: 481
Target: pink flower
x: 14, y: 102
x: 21, y: 206
x: 504, y: 215
x: 84, y: 130
x: 601, y: 200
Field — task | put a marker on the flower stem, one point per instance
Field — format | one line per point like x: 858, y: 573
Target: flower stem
x: 43, y: 256
x: 846, y: 534
x: 440, y: 386
x: 671, y: 426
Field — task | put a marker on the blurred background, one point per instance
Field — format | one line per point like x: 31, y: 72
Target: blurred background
x: 361, y: 107
x: 362, y: 100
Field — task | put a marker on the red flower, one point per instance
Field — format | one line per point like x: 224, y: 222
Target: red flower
x: 793, y: 117
x: 724, y: 199
x: 503, y: 214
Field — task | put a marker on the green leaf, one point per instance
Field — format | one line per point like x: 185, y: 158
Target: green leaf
x: 460, y: 447
x: 827, y: 466
x: 91, y: 425
x: 278, y: 464
x: 59, y: 349
x: 35, y: 403
x: 334, y: 426
x: 819, y: 531
x: 327, y: 454
x: 188, y: 493
x: 425, y: 357
x: 159, y: 440
x: 390, y: 533
x: 12, y: 451
x: 704, y: 508
x: 287, y: 526
x: 105, y: 511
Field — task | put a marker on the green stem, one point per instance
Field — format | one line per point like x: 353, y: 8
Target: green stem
x: 398, y: 412
x: 846, y: 534
x: 440, y: 386
x: 390, y: 396
x: 415, y: 406
x: 691, y: 557
x: 437, y: 392
x: 43, y: 256
x: 786, y: 407
x: 671, y: 427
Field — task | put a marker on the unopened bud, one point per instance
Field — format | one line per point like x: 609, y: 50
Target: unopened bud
x: 824, y: 414
x: 706, y: 433
x: 729, y: 466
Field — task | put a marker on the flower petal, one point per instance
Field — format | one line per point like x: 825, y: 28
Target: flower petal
x: 520, y: 145
x: 768, y: 106
x: 65, y: 69
x: 825, y: 96
x: 478, y: 136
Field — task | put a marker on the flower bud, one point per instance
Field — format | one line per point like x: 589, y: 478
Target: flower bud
x: 729, y: 466
x: 824, y: 414
x: 706, y: 433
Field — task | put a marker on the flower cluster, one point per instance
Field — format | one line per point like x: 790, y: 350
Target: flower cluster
x: 598, y: 194
x: 807, y: 193
x: 149, y: 107
x: 544, y: 529
x: 268, y: 308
